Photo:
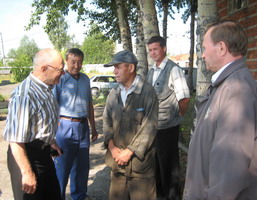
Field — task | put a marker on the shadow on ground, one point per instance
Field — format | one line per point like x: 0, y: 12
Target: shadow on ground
x: 99, y: 189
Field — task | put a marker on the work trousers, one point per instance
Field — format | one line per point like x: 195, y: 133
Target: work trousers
x: 73, y: 138
x: 167, y: 164
x: 43, y: 167
x: 132, y: 188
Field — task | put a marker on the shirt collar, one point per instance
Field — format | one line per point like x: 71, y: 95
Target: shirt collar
x: 39, y: 82
x: 217, y: 74
x: 133, y: 85
x: 162, y: 65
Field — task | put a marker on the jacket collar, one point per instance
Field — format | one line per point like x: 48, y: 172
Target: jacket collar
x: 234, y: 66
x: 138, y: 88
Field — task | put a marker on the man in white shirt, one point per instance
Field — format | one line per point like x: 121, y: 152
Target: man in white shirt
x: 30, y: 130
x: 171, y: 88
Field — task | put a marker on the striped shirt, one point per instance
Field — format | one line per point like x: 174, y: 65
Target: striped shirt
x: 73, y: 95
x: 177, y: 80
x: 32, y: 113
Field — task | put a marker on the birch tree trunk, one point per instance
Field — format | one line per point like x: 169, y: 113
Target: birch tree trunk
x: 207, y: 13
x: 193, y: 4
x: 125, y: 32
x: 149, y: 21
x: 141, y: 53
x: 165, y: 19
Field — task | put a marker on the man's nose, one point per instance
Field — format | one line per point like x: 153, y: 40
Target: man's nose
x: 203, y: 56
x: 77, y: 65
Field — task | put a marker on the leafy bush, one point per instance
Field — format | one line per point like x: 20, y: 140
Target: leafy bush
x: 96, y: 47
x: 22, y: 58
x: 20, y: 73
x: 2, y: 98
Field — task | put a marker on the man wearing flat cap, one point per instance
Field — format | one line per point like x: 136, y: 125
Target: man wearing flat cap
x: 130, y: 123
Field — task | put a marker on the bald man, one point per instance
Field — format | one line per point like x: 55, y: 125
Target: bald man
x: 30, y: 130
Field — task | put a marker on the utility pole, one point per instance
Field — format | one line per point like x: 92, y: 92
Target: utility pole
x: 2, y: 48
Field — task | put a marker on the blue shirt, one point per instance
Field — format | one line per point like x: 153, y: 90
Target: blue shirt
x: 73, y: 95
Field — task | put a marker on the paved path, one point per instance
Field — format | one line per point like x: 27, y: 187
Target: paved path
x: 99, y: 175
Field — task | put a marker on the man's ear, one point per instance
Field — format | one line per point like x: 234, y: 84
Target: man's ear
x: 223, y: 48
x: 132, y: 68
x: 165, y: 49
x: 43, y: 68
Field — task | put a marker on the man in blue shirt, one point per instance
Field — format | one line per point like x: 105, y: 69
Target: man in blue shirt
x: 76, y: 109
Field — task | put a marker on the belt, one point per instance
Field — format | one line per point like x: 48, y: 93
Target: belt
x: 74, y: 119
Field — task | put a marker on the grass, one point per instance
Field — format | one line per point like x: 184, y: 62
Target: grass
x: 3, y: 112
x: 100, y: 101
x: 2, y: 98
x: 8, y: 77
x: 185, y: 134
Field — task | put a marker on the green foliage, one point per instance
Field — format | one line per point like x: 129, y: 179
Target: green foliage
x: 1, y: 63
x: 53, y: 9
x: 22, y: 58
x: 185, y: 135
x: 2, y: 98
x: 104, y: 14
x: 100, y: 101
x: 191, y: 7
x: 58, y: 34
x: 96, y: 47
x: 20, y: 73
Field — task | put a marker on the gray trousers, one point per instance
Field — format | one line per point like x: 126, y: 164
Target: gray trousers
x: 131, y: 188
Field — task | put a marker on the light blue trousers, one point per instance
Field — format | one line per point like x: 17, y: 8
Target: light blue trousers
x: 73, y: 138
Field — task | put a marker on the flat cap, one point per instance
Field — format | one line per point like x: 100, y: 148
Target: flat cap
x: 122, y: 56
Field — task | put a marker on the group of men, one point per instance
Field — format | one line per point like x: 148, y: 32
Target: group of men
x: 140, y: 126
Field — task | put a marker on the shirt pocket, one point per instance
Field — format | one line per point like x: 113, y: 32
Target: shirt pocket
x: 139, y: 116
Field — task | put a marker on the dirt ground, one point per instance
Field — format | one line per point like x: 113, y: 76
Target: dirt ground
x: 99, y: 174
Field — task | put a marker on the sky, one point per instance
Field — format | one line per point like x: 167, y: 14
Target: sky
x: 15, y: 15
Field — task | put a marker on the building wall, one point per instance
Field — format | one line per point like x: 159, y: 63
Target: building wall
x: 247, y: 17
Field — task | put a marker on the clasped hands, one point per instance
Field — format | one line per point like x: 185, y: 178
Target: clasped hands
x: 121, y: 156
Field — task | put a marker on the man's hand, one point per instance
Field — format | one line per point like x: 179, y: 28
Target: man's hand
x: 115, y: 151
x: 183, y: 105
x: 57, y: 148
x: 29, y: 182
x: 124, y: 157
x: 94, y: 135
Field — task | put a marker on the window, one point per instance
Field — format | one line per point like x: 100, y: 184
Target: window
x: 112, y: 79
x: 235, y: 5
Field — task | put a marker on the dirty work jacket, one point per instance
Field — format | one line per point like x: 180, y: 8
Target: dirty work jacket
x: 134, y: 127
x: 222, y: 160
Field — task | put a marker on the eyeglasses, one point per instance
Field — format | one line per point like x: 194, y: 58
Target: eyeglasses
x: 59, y: 70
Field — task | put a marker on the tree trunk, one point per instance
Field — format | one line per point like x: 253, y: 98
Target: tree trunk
x: 125, y: 32
x: 149, y: 21
x: 207, y: 12
x: 192, y: 45
x: 165, y: 19
x: 142, y: 67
